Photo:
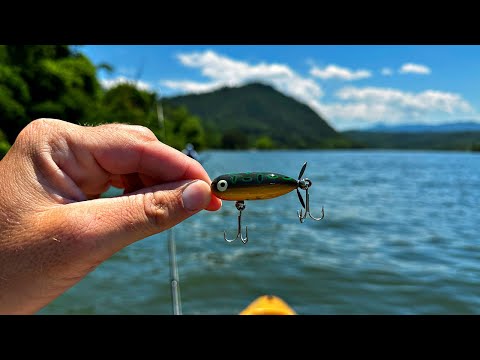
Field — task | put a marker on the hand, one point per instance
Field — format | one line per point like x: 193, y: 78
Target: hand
x: 54, y: 228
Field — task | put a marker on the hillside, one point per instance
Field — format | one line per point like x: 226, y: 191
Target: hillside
x: 465, y: 140
x: 257, y: 111
x: 460, y: 126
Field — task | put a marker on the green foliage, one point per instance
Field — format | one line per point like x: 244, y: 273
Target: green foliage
x: 264, y: 143
x: 4, y: 145
x: 56, y: 81
x: 125, y: 103
x: 475, y: 146
x: 213, y: 136
x: 44, y: 81
x: 257, y: 110
x: 191, y: 128
x: 14, y: 96
x: 182, y: 128
x: 234, y: 139
x: 423, y: 140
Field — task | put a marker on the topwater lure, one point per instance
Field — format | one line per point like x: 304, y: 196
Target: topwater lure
x: 260, y: 186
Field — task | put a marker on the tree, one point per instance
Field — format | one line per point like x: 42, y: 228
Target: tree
x: 264, y: 143
x: 125, y: 103
x: 4, y: 145
x: 182, y: 128
x: 44, y: 81
x: 234, y: 139
x: 14, y: 97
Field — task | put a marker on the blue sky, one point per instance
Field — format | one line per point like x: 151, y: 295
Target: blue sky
x: 351, y: 86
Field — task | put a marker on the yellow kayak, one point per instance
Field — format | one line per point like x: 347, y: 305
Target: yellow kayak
x: 268, y: 305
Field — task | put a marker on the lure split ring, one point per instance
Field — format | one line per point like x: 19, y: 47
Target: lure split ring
x: 261, y: 186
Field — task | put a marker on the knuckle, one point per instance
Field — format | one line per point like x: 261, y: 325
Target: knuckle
x: 143, y: 132
x: 37, y: 136
x: 35, y: 127
x: 159, y: 207
x: 140, y: 132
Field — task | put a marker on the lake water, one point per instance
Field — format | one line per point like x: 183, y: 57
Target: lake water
x: 401, y: 235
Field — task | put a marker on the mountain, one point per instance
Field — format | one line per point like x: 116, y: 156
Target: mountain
x: 462, y: 135
x: 465, y: 140
x: 257, y: 111
x: 463, y: 126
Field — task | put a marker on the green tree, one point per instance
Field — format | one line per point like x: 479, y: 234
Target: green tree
x: 182, y: 128
x: 264, y: 143
x: 125, y: 103
x: 45, y: 81
x: 234, y: 139
x: 14, y: 97
x: 57, y: 81
x: 4, y: 145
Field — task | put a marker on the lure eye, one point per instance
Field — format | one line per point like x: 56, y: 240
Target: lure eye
x: 222, y: 185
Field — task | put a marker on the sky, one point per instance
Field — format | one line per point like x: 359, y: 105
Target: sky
x: 350, y: 86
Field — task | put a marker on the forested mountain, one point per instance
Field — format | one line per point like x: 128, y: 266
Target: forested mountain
x: 257, y: 115
x: 461, y: 140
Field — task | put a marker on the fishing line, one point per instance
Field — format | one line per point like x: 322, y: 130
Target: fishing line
x: 172, y: 250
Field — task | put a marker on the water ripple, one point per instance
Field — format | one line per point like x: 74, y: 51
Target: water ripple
x: 400, y: 236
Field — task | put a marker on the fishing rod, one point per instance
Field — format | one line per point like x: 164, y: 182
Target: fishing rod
x: 174, y: 280
x: 172, y: 250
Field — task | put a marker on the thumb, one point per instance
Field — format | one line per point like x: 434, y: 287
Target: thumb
x: 108, y: 225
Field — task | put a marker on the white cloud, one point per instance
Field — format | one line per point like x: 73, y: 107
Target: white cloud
x: 386, y: 71
x: 374, y: 104
x: 411, y: 68
x: 350, y: 107
x: 128, y: 71
x: 192, y: 86
x: 337, y: 72
x: 429, y: 100
x: 224, y: 71
x: 109, y: 83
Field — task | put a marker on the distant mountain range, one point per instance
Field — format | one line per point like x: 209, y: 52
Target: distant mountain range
x: 461, y: 126
x: 258, y: 116
x: 243, y: 115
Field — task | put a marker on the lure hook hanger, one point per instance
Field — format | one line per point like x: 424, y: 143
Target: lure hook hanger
x: 240, y: 205
x: 304, y: 184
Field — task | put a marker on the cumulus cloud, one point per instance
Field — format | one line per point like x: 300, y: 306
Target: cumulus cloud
x: 341, y: 73
x: 109, y: 83
x: 349, y: 107
x: 192, y: 86
x: 224, y: 71
x: 373, y: 104
x: 386, y: 71
x: 411, y: 68
x: 424, y: 101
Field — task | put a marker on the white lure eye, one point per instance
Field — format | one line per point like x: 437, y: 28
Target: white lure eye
x: 222, y: 185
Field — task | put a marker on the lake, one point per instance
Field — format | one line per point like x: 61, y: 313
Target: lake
x: 401, y: 235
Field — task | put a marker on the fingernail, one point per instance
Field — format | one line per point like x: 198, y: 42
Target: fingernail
x: 196, y: 196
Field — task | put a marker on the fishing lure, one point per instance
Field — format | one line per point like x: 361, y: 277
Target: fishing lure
x: 260, y: 186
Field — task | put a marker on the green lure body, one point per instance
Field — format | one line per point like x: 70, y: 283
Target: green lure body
x: 252, y: 186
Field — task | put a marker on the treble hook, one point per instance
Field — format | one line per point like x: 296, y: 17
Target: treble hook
x: 304, y: 184
x: 240, y: 205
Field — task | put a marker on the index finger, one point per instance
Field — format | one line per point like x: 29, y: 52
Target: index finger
x: 125, y: 149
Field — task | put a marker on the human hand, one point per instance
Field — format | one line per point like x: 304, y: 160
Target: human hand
x: 54, y: 228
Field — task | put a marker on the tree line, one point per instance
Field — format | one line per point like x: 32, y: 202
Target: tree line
x: 58, y: 81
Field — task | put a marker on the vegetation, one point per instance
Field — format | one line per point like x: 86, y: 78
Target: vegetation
x: 4, y: 145
x: 57, y: 81
x: 257, y: 115
x: 468, y: 140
